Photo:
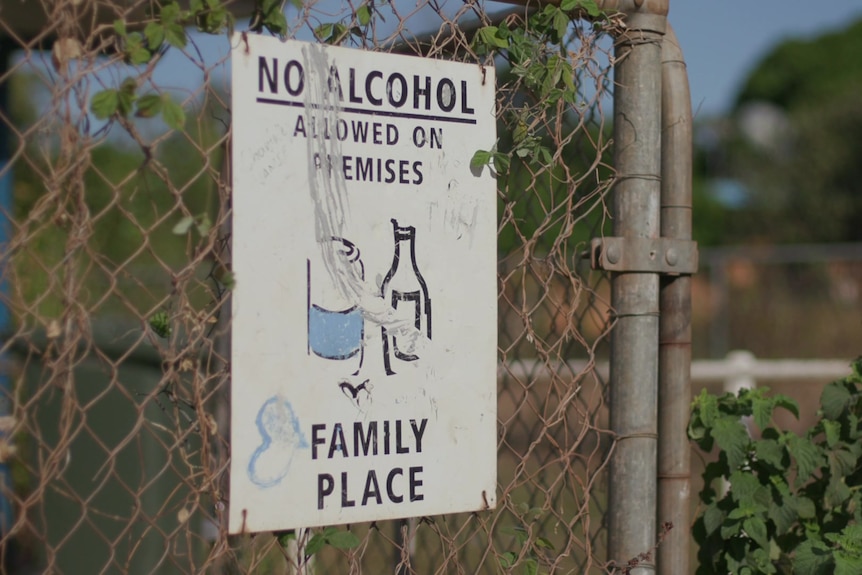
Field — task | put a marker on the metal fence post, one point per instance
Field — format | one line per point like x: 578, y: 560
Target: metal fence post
x: 674, y: 453
x: 635, y: 294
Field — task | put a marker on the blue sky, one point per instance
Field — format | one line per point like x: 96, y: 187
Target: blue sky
x: 723, y: 39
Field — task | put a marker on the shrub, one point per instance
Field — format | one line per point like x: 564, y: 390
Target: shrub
x: 781, y: 502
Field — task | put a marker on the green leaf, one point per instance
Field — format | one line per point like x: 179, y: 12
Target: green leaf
x: 339, y: 33
x: 315, y: 544
x: 125, y: 101
x: 591, y: 7
x: 183, y: 226
x: 104, y: 104
x: 783, y: 514
x: 561, y: 24
x: 490, y: 36
x: 508, y: 559
x: 812, y: 558
x: 732, y: 437
x: 285, y: 537
x: 847, y: 563
x: 832, y: 431
x: 836, y: 493
x: 323, y: 32
x: 770, y: 451
x: 120, y: 27
x: 834, y: 399
x: 203, y: 224
x: 129, y: 86
x: 126, y: 96
x: 480, y: 158
x: 501, y: 162
x: 848, y: 542
x: 148, y: 106
x: 755, y: 527
x: 762, y: 410
x: 787, y: 403
x: 856, y: 366
x: 136, y: 53
x: 531, y: 566
x: 169, y: 13
x: 175, y: 34
x: 544, y: 543
x: 228, y: 280
x: 713, y: 517
x: 704, y: 410
x: 214, y: 19
x: 139, y: 56
x: 172, y: 113
x: 746, y: 489
x: 706, y: 405
x: 741, y: 512
x: 807, y: 456
x: 276, y: 23
x: 155, y: 35
x: 161, y: 324
x: 521, y: 132
x: 730, y: 528
x: 841, y: 462
x: 805, y: 508
x: 343, y: 540
x: 363, y: 14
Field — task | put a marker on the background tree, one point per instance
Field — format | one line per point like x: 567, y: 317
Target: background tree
x: 793, y: 143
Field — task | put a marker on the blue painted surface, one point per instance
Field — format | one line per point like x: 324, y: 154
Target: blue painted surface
x: 335, y: 334
x: 281, y: 436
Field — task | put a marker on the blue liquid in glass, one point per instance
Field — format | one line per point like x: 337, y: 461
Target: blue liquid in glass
x: 335, y: 334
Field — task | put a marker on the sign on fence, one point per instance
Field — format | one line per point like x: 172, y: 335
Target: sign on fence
x: 364, y: 250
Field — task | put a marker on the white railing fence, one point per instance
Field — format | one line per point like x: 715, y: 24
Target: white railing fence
x: 739, y: 369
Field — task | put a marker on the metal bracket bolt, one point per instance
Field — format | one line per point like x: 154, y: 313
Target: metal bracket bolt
x: 654, y: 255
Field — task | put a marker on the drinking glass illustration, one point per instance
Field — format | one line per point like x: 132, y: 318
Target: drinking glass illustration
x: 336, y: 328
x: 405, y: 290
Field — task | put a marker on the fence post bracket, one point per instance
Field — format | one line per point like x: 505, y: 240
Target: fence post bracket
x: 651, y: 255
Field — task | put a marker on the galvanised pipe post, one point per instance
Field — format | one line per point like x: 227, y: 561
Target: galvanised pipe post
x: 635, y: 295
x: 674, y: 453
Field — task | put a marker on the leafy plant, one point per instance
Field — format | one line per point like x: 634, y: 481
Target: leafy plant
x: 531, y: 548
x: 535, y: 53
x: 781, y: 502
x: 331, y: 536
x: 144, y: 46
x: 269, y: 15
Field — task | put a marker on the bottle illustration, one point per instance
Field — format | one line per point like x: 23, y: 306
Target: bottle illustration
x: 405, y: 290
x: 336, y: 327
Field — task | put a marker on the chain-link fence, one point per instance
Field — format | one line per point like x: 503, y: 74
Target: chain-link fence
x: 116, y: 288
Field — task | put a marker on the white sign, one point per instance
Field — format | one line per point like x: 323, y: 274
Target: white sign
x: 365, y: 309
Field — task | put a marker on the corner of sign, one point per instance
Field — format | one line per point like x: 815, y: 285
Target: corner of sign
x: 488, y: 504
x: 240, y: 40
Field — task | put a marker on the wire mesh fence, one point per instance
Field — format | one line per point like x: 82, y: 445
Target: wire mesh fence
x: 116, y: 198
